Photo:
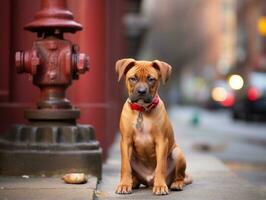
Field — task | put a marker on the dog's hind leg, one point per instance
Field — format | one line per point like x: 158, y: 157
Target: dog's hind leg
x: 179, y: 179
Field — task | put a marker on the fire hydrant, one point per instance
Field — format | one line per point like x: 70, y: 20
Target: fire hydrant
x: 53, y: 62
x: 52, y: 143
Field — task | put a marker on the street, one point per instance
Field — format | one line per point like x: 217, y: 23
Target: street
x: 241, y: 145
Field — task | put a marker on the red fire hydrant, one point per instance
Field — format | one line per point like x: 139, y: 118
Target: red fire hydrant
x: 51, y: 143
x: 53, y: 62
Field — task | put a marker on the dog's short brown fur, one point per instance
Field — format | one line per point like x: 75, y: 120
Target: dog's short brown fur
x: 149, y: 155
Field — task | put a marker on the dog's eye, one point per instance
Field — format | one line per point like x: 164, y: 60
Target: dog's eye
x: 151, y: 79
x: 132, y: 79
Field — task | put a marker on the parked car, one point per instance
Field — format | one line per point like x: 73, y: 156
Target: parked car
x: 251, y: 98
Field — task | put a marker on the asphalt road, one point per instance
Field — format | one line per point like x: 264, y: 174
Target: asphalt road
x: 240, y: 145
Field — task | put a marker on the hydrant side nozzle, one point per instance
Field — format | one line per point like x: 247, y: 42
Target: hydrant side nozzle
x: 27, y: 62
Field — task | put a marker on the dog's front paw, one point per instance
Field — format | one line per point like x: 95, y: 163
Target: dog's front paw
x: 124, y: 189
x: 160, y: 189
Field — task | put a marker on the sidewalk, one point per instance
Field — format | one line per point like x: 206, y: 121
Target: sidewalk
x: 18, y: 188
x: 212, y: 180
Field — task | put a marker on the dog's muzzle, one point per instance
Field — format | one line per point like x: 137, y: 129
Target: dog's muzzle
x: 141, y: 94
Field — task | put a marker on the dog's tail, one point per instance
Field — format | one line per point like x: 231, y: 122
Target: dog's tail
x: 188, y: 179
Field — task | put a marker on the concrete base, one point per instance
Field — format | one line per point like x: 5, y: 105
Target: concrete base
x: 50, y: 150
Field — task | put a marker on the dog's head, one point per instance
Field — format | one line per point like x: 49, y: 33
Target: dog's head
x: 142, y: 77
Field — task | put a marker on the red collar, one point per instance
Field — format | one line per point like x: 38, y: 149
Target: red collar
x: 153, y: 104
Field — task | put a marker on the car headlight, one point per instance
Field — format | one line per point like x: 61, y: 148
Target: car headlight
x: 236, y: 82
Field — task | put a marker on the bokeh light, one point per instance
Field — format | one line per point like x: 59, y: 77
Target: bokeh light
x: 219, y: 94
x: 236, y: 82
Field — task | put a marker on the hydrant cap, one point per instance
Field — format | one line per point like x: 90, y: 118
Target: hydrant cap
x: 53, y: 15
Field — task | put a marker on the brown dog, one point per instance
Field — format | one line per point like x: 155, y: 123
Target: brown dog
x: 149, y: 154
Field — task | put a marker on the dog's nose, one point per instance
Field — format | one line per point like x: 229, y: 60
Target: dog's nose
x: 142, y: 90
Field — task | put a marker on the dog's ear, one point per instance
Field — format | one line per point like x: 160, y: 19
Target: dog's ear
x: 122, y: 66
x: 164, y: 68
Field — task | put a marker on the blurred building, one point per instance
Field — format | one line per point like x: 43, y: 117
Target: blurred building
x: 251, y: 34
x: 136, y: 26
x: 198, y: 38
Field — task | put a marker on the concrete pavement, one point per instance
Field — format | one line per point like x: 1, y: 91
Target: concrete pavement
x: 212, y: 179
x: 240, y: 145
x: 37, y: 188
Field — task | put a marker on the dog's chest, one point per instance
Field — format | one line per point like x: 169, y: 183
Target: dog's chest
x: 142, y: 138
